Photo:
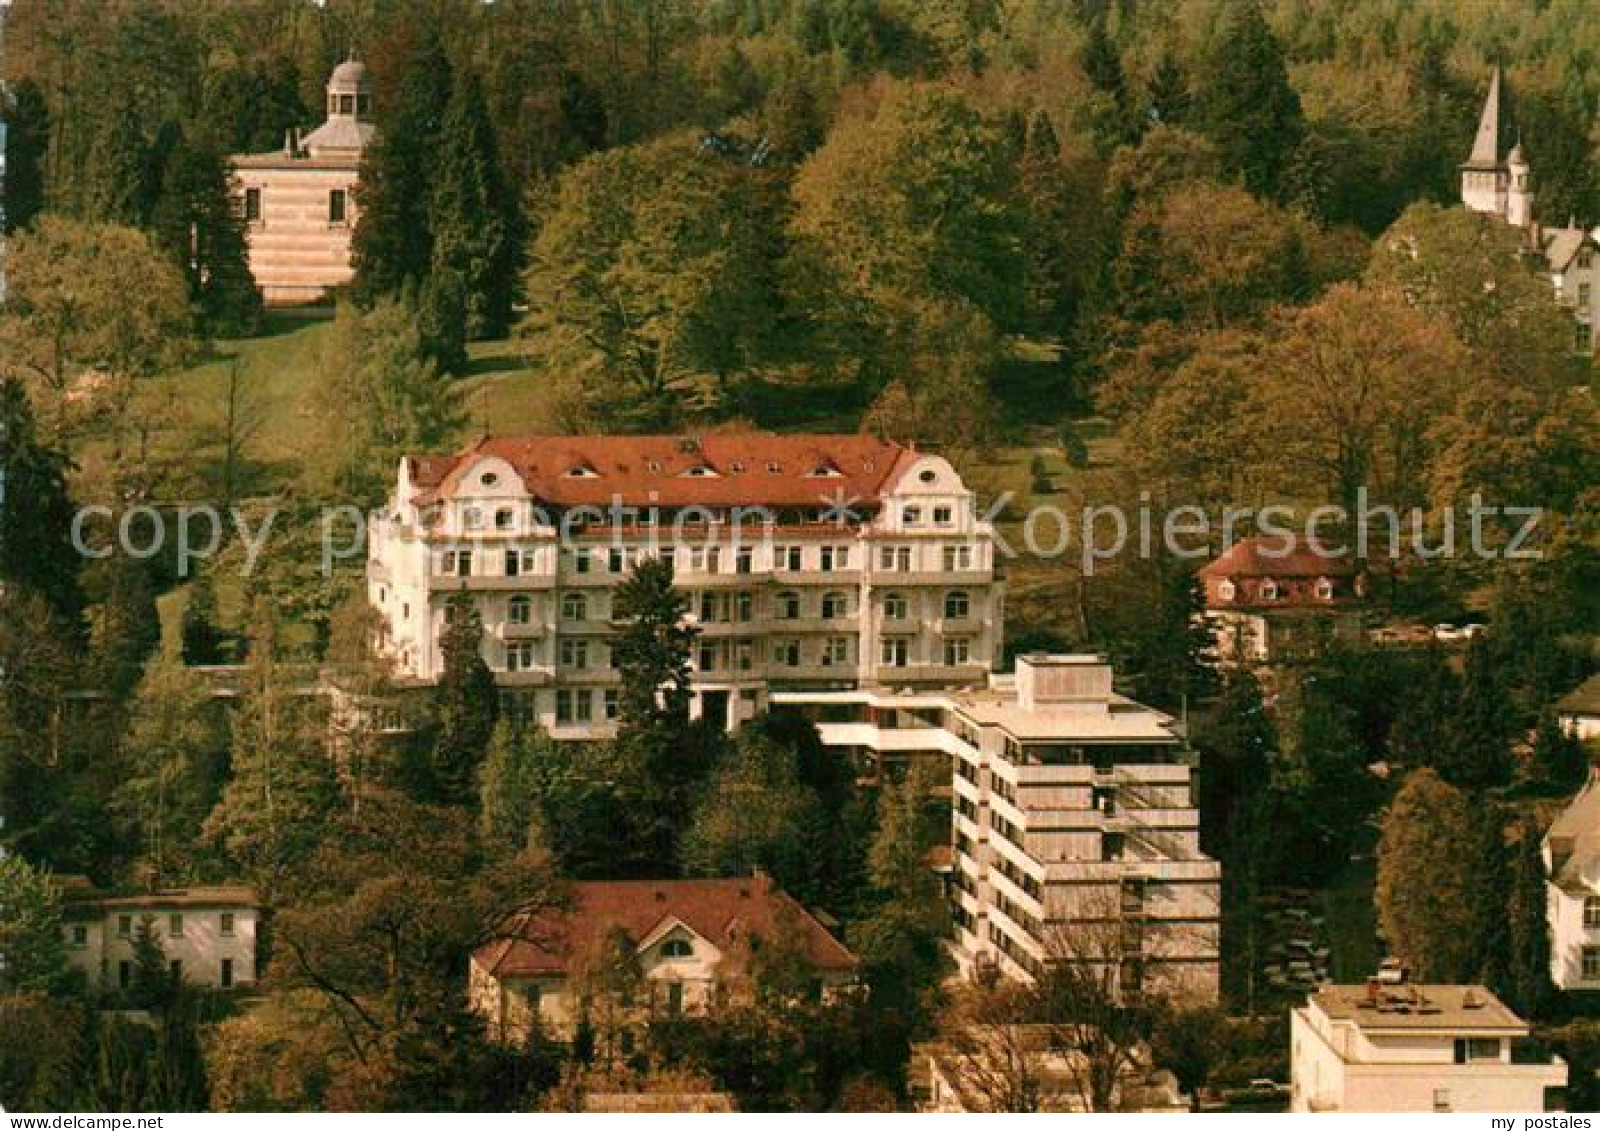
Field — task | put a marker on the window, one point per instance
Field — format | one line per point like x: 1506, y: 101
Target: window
x: 744, y: 655
x: 504, y: 518
x: 1269, y: 590
x: 124, y: 974
x: 894, y: 606
x: 1477, y: 1048
x: 744, y: 606
x: 943, y: 516
x: 957, y: 652
x: 957, y: 605
x: 124, y: 926
x: 786, y: 653
x: 583, y: 706
x: 835, y: 557
x: 336, y: 206
x: 580, y: 561
x: 563, y: 706
x: 1582, y: 337
x: 457, y: 563
x: 520, y: 656
x: 575, y: 654
x: 1324, y: 589
x: 835, y: 606
x: 175, y: 969
x: 226, y: 977
x: 789, y: 606
x: 707, y: 656
x: 677, y: 948
x: 225, y: 925
x: 836, y: 652
x: 1583, y: 295
x: 1441, y: 1099
x: 787, y: 557
x: 674, y: 998
x: 1226, y: 590
x: 175, y: 925
x: 911, y: 515
x: 744, y: 560
x: 252, y: 206
x: 957, y: 558
x: 895, y: 558
x: 617, y: 560
x: 612, y: 704
x: 1591, y: 964
x: 709, y: 607
x: 80, y: 936
x: 574, y: 606
x: 519, y: 610
x: 896, y: 652
x: 1586, y: 258
x: 1591, y: 911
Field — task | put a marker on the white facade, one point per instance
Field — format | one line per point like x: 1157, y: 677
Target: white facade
x: 1415, y: 1049
x: 900, y: 591
x: 208, y: 935
x: 1572, y: 862
x: 1073, y: 819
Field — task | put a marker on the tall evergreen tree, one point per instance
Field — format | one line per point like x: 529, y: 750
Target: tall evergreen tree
x: 1560, y: 759
x: 1249, y: 109
x: 1528, y: 988
x: 199, y: 631
x: 473, y: 214
x: 1170, y: 100
x: 27, y: 122
x: 126, y: 623
x: 1478, y: 749
x: 509, y: 790
x: 1112, y: 116
x: 1422, y: 728
x: 393, y: 241
x: 651, y: 652
x: 466, y: 704
x: 197, y: 222
x: 1049, y: 298
x: 36, y: 512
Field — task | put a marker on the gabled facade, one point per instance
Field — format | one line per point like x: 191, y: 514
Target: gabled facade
x: 299, y: 203
x: 810, y: 562
x: 1271, y: 600
x: 661, y: 948
x: 1572, y: 866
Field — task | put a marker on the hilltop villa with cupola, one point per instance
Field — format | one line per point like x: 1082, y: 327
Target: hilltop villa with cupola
x: 1503, y: 187
x: 298, y: 202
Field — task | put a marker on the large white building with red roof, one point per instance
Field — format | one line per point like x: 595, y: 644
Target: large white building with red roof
x: 810, y: 563
x: 660, y: 947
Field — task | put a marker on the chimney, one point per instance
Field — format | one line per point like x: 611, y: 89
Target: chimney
x: 288, y: 143
x: 1470, y: 999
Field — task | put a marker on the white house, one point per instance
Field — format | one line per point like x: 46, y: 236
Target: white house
x: 1579, y: 709
x: 990, y: 1071
x: 1572, y: 864
x: 208, y: 934
x: 1075, y: 832
x: 810, y: 562
x: 664, y: 947
x: 1403, y: 1048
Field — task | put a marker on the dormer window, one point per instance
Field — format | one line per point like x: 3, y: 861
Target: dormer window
x: 736, y: 467
x: 581, y: 471
x: 825, y: 471
x: 772, y: 467
x: 1269, y: 590
x: 1324, y: 589
x: 1226, y: 590
x: 653, y: 466
x: 928, y: 475
x: 677, y: 948
x: 488, y: 479
x: 700, y: 471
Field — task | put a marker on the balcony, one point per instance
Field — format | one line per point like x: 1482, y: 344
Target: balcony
x: 962, y: 674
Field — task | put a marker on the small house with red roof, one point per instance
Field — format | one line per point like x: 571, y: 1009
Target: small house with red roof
x: 645, y: 948
x: 1273, y: 599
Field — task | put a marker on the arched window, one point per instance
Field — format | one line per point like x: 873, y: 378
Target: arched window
x: 957, y: 605
x: 574, y: 606
x: 894, y: 606
x: 520, y: 609
x: 788, y: 605
x: 835, y: 606
x: 677, y: 948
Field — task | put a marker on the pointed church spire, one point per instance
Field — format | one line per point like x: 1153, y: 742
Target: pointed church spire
x: 1486, y: 145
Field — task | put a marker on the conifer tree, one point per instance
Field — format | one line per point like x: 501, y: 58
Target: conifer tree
x: 1560, y: 760
x: 472, y: 213
x: 197, y: 223
x: 127, y: 625
x: 1249, y: 109
x: 30, y: 929
x: 36, y: 512
x: 27, y: 122
x: 200, y: 631
x: 466, y: 705
x: 1049, y: 274
x: 651, y: 652
x: 393, y: 240
x: 1112, y: 116
x: 1170, y: 100
x: 1423, y: 726
x: 509, y: 790
x: 1478, y: 752
x: 1528, y: 988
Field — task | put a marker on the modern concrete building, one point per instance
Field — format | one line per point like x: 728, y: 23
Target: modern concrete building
x: 208, y: 934
x: 660, y: 948
x: 1572, y: 865
x: 299, y: 203
x: 1401, y: 1048
x: 810, y: 562
x: 1075, y: 832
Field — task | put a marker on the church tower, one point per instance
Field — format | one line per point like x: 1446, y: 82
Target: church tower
x: 1519, y: 192
x: 1485, y: 181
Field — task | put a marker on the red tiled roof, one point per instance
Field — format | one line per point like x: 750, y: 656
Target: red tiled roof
x: 1281, y: 557
x: 716, y: 910
x: 752, y: 469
